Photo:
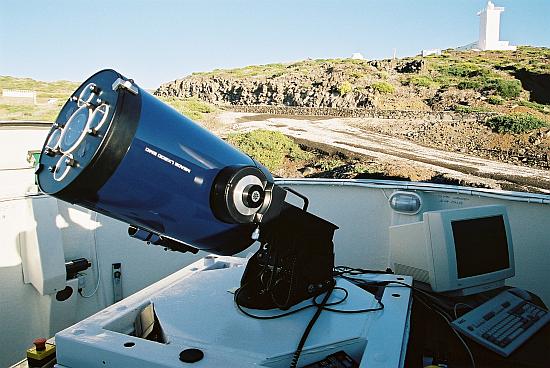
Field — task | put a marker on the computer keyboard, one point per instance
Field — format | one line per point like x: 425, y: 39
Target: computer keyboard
x: 503, y: 323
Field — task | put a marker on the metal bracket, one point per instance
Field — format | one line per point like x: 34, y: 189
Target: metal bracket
x: 117, y: 282
x: 126, y: 84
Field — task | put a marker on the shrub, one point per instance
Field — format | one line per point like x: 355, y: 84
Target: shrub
x: 327, y: 164
x: 464, y: 70
x: 537, y: 106
x: 495, y: 100
x: 268, y: 147
x: 469, y: 84
x: 383, y: 74
x: 505, y: 88
x: 345, y: 87
x: 514, y: 123
x: 192, y: 107
x: 357, y: 75
x: 383, y: 87
x: 420, y: 80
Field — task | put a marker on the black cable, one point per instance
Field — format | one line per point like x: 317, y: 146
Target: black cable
x: 431, y: 296
x: 302, y: 342
x: 358, y: 271
x: 380, y: 307
x: 266, y: 317
x: 236, y: 295
x: 323, y: 305
x: 314, y: 304
x: 433, y: 306
x: 448, y: 321
x: 340, y: 270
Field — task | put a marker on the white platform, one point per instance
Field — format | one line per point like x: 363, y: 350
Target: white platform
x: 196, y: 310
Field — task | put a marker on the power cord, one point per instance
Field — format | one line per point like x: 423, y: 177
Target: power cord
x: 456, y: 305
x: 321, y: 306
x: 98, y: 267
x: 305, y: 335
x: 433, y: 306
x: 314, y: 303
x: 448, y: 321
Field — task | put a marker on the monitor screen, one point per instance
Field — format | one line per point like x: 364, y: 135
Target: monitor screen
x: 481, y: 246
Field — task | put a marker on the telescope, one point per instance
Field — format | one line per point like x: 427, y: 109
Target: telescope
x: 118, y: 150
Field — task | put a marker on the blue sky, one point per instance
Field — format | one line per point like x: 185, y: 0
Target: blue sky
x: 158, y: 41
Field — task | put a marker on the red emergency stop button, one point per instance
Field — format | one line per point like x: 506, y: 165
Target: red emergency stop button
x: 40, y: 344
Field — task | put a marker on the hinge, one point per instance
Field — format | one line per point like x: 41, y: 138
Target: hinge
x: 126, y: 84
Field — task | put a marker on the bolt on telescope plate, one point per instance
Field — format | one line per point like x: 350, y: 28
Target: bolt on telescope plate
x: 78, y: 132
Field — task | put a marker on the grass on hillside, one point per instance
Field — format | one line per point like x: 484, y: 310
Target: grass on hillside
x: 490, y: 73
x: 268, y: 147
x: 459, y: 64
x: 42, y: 111
x: 45, y: 90
x: 26, y: 110
x: 193, y: 108
x: 515, y: 123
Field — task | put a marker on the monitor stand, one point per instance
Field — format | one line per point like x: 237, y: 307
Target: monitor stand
x: 475, y: 289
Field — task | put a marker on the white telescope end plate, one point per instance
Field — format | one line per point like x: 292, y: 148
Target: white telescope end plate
x: 196, y: 310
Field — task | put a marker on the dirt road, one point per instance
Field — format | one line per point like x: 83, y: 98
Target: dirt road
x: 345, y: 134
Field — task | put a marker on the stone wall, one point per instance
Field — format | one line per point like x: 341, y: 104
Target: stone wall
x: 360, y: 113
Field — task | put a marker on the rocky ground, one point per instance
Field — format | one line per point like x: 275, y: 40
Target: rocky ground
x: 527, y: 149
x: 444, y: 152
x: 414, y: 141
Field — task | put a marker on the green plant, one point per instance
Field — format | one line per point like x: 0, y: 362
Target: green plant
x: 420, y: 80
x: 514, y: 123
x: 469, y: 109
x: 356, y: 75
x: 383, y: 74
x: 192, y: 107
x: 268, y: 147
x: 537, y: 106
x: 495, y: 100
x: 345, y: 87
x: 505, y: 88
x: 464, y: 69
x: 383, y: 87
x: 327, y: 164
x: 469, y: 84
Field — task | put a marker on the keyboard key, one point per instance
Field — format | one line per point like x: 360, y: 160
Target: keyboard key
x: 516, y: 333
x: 489, y: 315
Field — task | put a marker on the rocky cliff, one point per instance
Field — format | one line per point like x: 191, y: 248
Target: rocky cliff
x: 310, y: 83
x: 461, y: 81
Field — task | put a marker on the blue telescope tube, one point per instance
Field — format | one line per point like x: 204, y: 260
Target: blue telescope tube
x: 118, y: 150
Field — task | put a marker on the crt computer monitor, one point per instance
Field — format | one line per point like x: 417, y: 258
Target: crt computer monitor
x: 457, y: 251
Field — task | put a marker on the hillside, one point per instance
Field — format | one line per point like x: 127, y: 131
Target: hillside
x: 423, y: 103
x: 20, y: 109
x: 461, y: 81
x: 51, y: 96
